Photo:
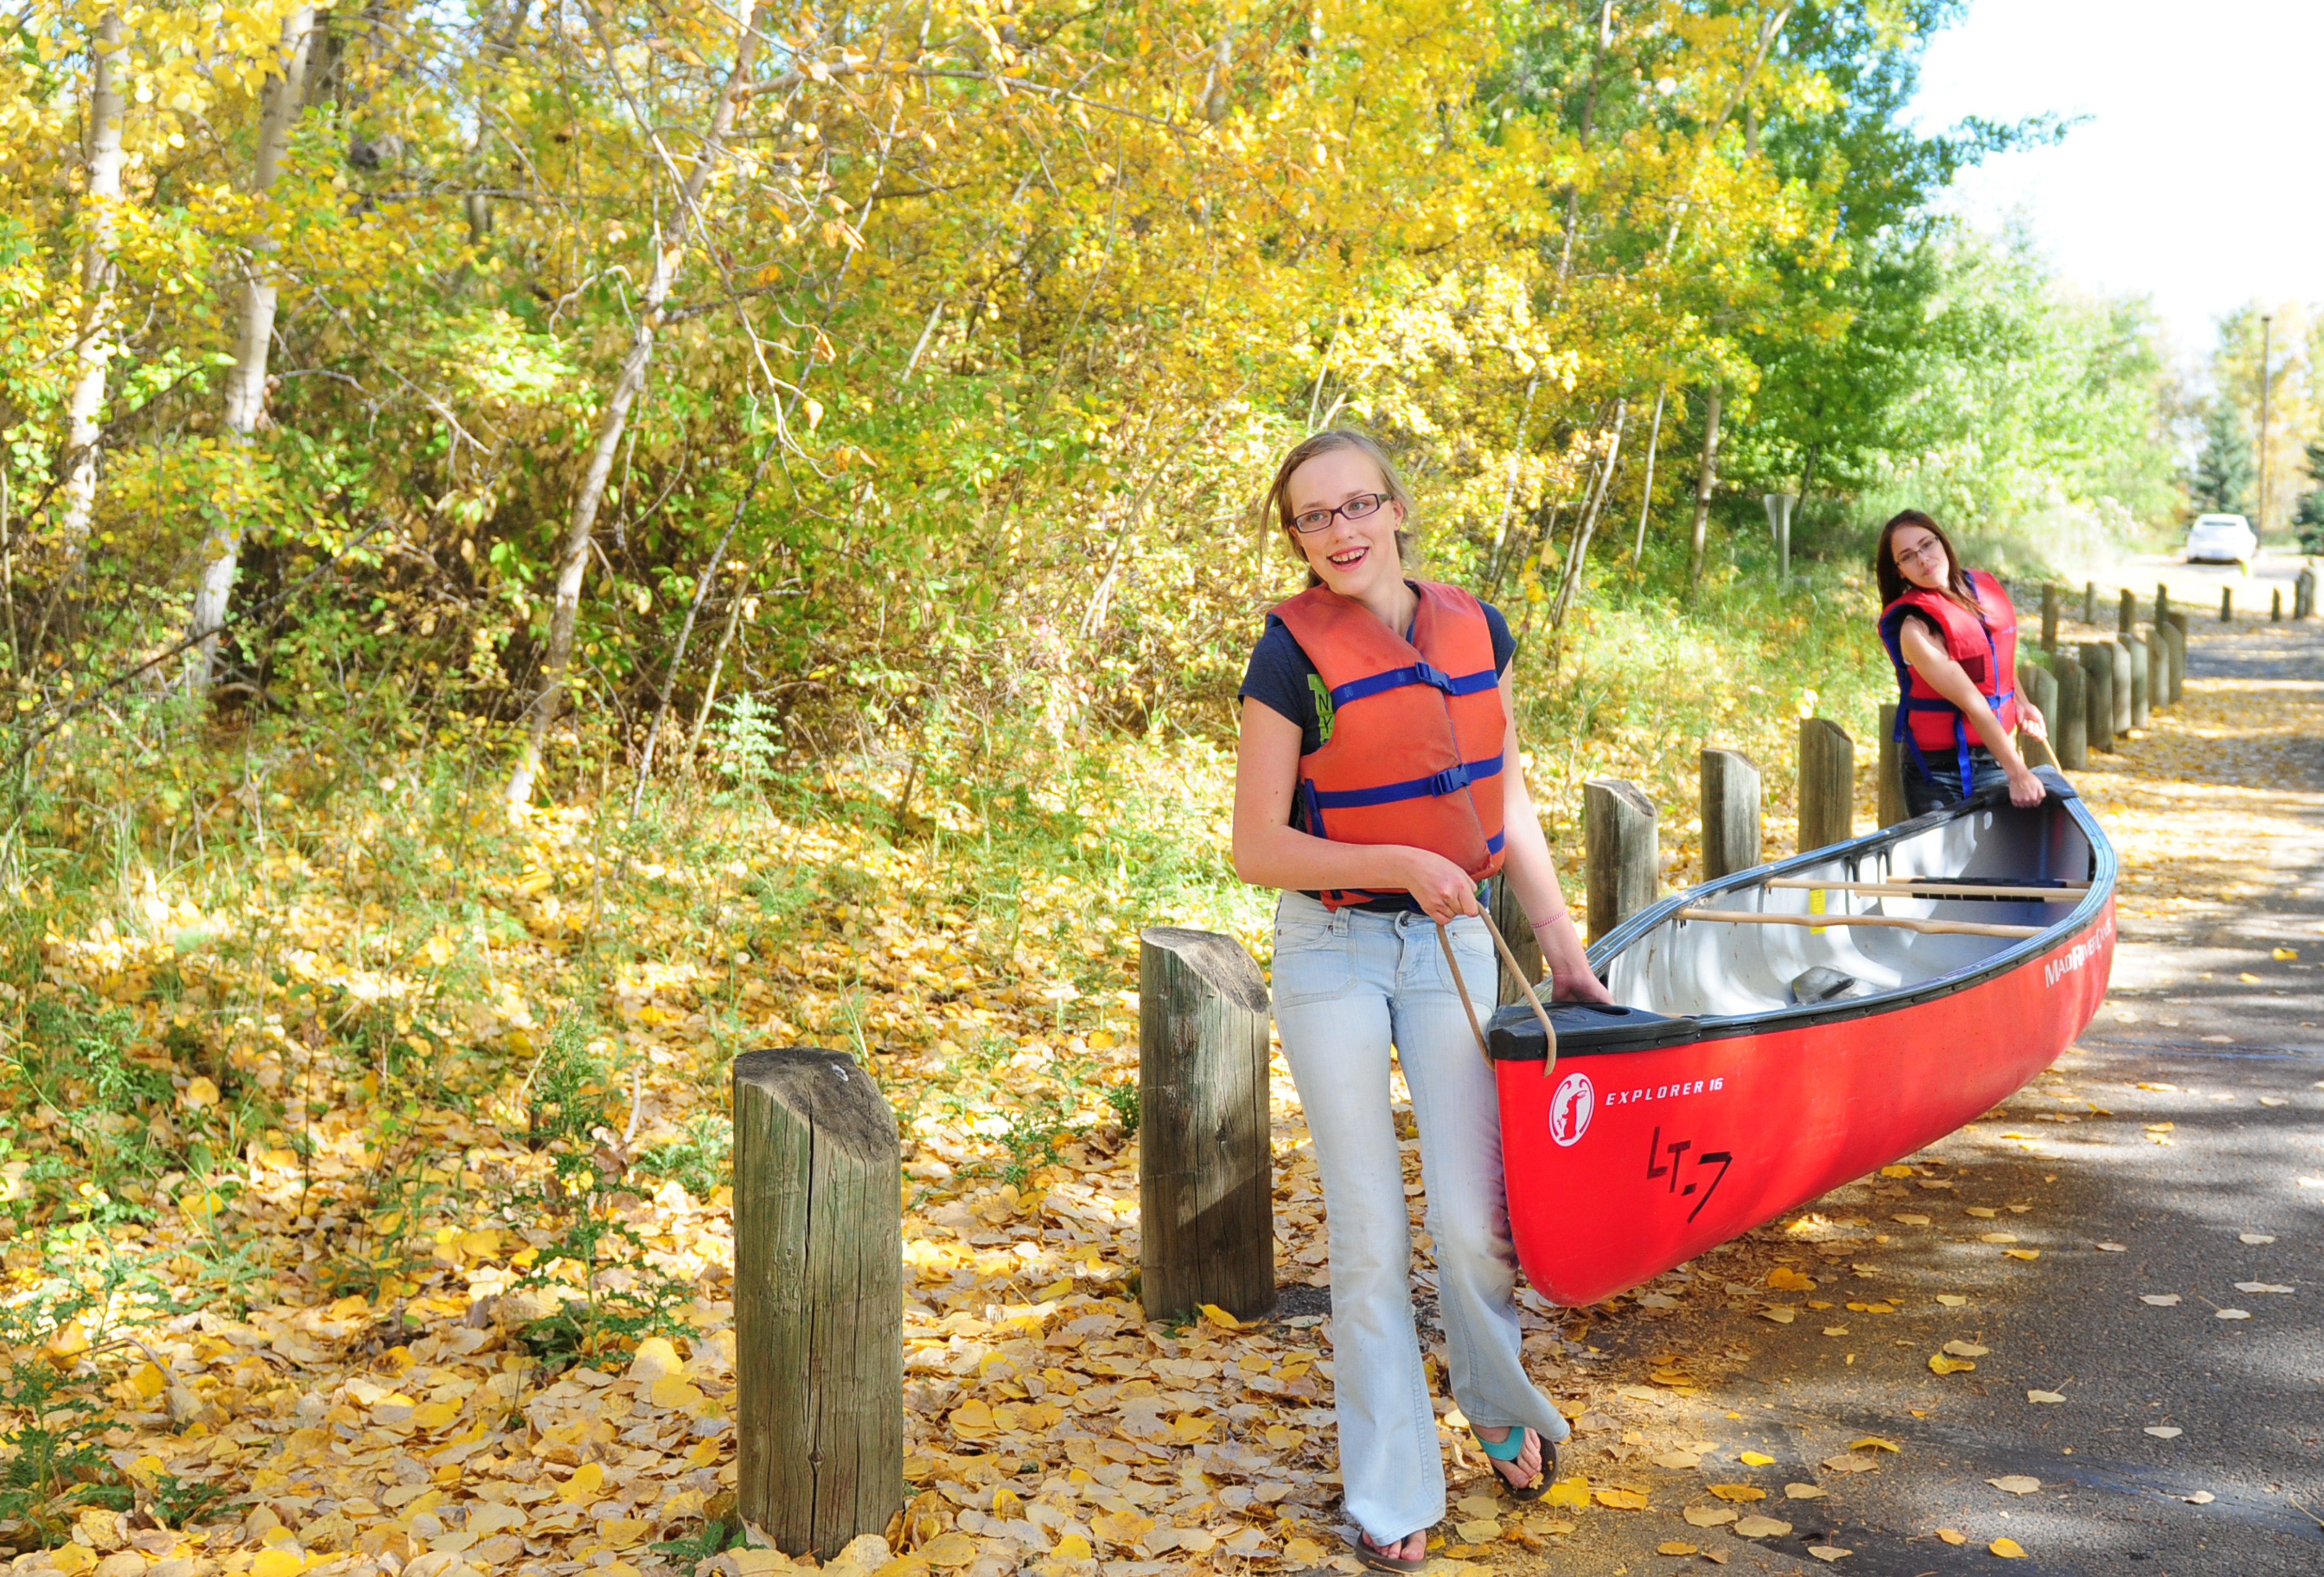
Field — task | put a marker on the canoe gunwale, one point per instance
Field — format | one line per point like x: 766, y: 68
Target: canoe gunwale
x: 2095, y: 900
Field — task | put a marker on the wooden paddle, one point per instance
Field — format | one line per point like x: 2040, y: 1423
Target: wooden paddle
x: 2065, y: 892
x: 1893, y: 922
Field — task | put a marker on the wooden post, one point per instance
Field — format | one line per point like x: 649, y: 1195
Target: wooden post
x: 2098, y: 671
x: 818, y: 1300
x: 2275, y: 605
x: 2227, y: 604
x: 2158, y: 668
x: 1617, y: 835
x: 2175, y: 632
x: 2119, y: 655
x: 2089, y: 602
x: 1827, y: 784
x: 1890, y: 767
x: 2049, y: 615
x: 2304, y: 594
x: 2162, y: 603
x: 1730, y: 813
x: 1205, y: 1175
x: 2069, y: 726
x: 1517, y: 930
x: 2038, y: 685
x: 2126, y: 617
x: 2135, y: 650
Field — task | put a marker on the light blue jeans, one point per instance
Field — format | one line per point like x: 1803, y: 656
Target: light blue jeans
x: 1347, y: 985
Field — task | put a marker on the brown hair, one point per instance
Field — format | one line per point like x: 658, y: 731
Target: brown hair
x: 1893, y: 584
x: 1274, y: 506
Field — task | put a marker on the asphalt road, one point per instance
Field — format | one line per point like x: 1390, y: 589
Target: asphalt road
x: 2207, y: 1029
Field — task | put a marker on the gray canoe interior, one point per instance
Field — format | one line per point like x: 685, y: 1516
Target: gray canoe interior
x: 1711, y: 969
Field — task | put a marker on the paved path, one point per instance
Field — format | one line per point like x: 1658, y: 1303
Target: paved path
x: 2208, y: 1029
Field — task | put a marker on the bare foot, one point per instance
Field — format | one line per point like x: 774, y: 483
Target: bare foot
x: 1527, y: 1466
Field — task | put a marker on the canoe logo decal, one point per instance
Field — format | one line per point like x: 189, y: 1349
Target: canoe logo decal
x: 2082, y: 952
x: 1570, y: 1109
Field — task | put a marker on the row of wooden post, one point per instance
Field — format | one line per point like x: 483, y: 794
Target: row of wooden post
x: 818, y: 1287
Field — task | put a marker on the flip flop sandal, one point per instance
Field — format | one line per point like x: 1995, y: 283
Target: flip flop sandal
x: 1376, y: 1559
x: 1511, y: 1447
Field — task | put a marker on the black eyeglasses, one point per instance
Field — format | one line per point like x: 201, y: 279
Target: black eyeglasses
x: 1355, y: 509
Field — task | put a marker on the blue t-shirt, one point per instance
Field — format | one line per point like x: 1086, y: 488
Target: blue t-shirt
x: 1280, y: 678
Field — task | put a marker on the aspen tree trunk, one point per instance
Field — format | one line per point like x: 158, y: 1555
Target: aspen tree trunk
x: 245, y: 384
x: 1704, y: 483
x: 101, y: 156
x: 573, y: 561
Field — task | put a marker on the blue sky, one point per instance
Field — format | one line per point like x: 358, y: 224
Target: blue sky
x: 2198, y: 179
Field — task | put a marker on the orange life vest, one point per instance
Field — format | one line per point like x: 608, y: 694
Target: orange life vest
x: 1987, y: 649
x: 1412, y: 728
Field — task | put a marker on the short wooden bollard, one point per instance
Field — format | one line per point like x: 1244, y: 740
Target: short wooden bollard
x: 2070, y: 725
x: 2158, y: 668
x: 1827, y: 784
x: 2098, y: 671
x: 2162, y: 603
x: 2049, y: 615
x: 2304, y: 594
x: 2174, y: 635
x: 1517, y: 930
x: 2135, y: 650
x: 2119, y: 653
x: 2275, y: 606
x: 1205, y: 1175
x: 1730, y: 813
x: 818, y: 1300
x: 2089, y: 602
x: 2126, y: 616
x: 1620, y: 853
x: 2037, y: 685
x: 2227, y: 604
x: 1891, y: 769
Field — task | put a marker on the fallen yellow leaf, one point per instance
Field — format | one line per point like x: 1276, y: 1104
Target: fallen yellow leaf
x: 277, y: 1562
x: 1621, y: 1500
x: 1939, y: 1364
x: 1675, y: 1547
x: 582, y: 1486
x: 1874, y: 1442
x: 2008, y: 1549
x: 1569, y: 1492
x: 957, y: 1549
x: 1784, y: 1278
x: 1744, y: 1492
x: 1755, y: 1459
x: 1221, y: 1319
x: 1953, y: 1535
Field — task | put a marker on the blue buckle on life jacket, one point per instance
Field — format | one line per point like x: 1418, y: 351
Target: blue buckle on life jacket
x: 1421, y: 673
x: 1436, y: 785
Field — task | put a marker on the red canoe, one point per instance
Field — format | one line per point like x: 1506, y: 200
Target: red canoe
x: 1753, y: 1066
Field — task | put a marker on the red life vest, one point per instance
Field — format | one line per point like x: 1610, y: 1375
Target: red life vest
x: 1987, y: 649
x: 1412, y: 730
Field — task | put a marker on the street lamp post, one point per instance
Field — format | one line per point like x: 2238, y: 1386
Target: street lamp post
x: 2259, y: 520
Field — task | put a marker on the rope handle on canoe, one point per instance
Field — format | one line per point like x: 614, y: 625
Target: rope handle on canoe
x: 1549, y: 1035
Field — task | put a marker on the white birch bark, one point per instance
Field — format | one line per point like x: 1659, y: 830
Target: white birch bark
x: 100, y: 204
x: 245, y: 384
x: 573, y: 560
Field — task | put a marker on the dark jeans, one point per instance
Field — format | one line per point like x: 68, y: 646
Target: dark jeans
x: 1923, y: 794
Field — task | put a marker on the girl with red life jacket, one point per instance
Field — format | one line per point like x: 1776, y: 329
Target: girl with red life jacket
x: 1952, y: 634
x: 1376, y: 785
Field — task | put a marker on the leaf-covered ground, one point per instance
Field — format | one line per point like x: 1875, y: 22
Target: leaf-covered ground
x: 366, y: 1212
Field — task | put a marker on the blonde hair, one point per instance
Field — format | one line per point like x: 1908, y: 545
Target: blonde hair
x: 1274, y: 506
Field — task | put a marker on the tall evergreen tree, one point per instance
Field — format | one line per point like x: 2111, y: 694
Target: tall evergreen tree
x: 2224, y: 470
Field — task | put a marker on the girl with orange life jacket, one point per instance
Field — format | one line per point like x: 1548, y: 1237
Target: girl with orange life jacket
x: 1376, y: 783
x: 1952, y: 634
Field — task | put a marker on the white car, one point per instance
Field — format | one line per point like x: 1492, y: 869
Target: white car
x: 2221, y: 540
